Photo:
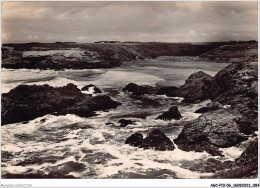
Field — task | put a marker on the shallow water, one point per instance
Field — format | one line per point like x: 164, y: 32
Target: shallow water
x: 92, y: 148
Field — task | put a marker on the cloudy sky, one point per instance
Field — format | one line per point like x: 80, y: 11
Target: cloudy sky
x: 142, y: 21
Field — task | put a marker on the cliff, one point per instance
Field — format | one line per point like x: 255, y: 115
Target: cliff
x: 60, y: 56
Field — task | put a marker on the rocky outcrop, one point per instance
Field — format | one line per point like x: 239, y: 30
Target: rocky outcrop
x: 89, y: 105
x: 168, y: 91
x: 196, y: 87
x: 250, y: 155
x: 95, y: 89
x: 125, y: 122
x: 157, y: 140
x: 245, y: 166
x: 236, y: 85
x: 25, y: 102
x: 232, y: 52
x: 139, y: 90
x: 173, y: 113
x: 210, y: 107
x: 212, y: 130
x: 56, y: 58
x: 89, y: 55
x: 135, y: 140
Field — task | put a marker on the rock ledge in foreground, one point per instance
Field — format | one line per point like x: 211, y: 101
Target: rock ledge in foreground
x: 25, y: 103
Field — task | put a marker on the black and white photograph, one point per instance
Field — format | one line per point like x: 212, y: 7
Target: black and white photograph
x: 129, y: 90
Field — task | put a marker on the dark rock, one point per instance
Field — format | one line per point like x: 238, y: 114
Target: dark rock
x: 140, y: 90
x: 5, y: 156
x: 157, y: 140
x: 138, y: 93
x: 210, y: 107
x: 210, y: 165
x: 136, y: 89
x: 144, y: 101
x: 25, y: 103
x: 135, y: 140
x: 212, y: 130
x: 245, y: 166
x: 168, y: 91
x: 96, y: 89
x: 88, y: 106
x: 196, y: 87
x: 236, y: 85
x: 109, y: 123
x: 173, y: 113
x: 125, y: 122
x: 43, y: 120
x: 250, y: 155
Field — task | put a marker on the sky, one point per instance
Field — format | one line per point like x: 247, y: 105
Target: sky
x: 128, y: 21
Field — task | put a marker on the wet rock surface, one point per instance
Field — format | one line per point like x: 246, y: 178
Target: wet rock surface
x: 212, y: 130
x: 196, y: 87
x: 173, y: 113
x: 135, y: 140
x: 95, y: 89
x: 236, y: 85
x: 25, y: 102
x: 168, y: 91
x: 88, y: 106
x: 210, y: 165
x: 245, y: 166
x: 250, y: 155
x: 210, y: 107
x: 157, y: 140
x: 139, y: 90
x: 125, y: 122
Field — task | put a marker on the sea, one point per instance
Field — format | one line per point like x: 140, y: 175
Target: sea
x: 95, y: 147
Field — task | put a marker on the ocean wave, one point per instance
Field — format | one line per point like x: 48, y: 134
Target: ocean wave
x: 122, y: 78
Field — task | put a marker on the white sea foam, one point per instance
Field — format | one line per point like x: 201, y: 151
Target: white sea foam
x: 16, y: 169
x: 89, y: 91
x: 56, y: 82
x: 121, y: 78
x: 147, y: 162
x: 232, y: 152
